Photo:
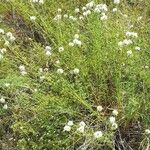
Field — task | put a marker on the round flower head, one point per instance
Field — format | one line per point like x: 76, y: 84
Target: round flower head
x: 67, y: 128
x: 114, y: 10
x: 65, y: 16
x: 98, y: 134
x: 80, y: 129
x: 22, y: 68
x: 2, y: 31
x: 5, y: 106
x: 1, y: 56
x: 115, y: 112
x: 137, y: 48
x: 82, y: 123
x: 129, y: 53
x: 48, y: 53
x: 32, y: 18
x: 71, y: 44
x: 114, y: 126
x: 60, y: 71
x: 76, y: 36
x: 147, y: 131
x: 116, y: 1
x: 99, y: 108
x: 104, y: 17
x: 2, y: 100
x: 61, y: 49
x: 70, y: 123
x: 48, y: 48
x: 76, y: 71
x: 77, y: 42
x: 77, y: 10
x: 3, y: 50
x: 57, y: 62
x: 59, y: 10
x: 41, y: 1
x: 112, y: 119
x: 7, y: 84
x: 6, y: 43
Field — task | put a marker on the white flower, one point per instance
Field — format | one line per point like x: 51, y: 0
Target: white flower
x: 84, y: 8
x: 116, y: 1
x: 80, y: 129
x: 90, y: 4
x: 82, y: 123
x: 114, y: 126
x: 70, y: 123
x: 57, y: 62
x: 72, y: 18
x: 3, y: 50
x: 147, y: 131
x: 127, y: 42
x: 86, y: 13
x: 58, y: 17
x: 23, y: 73
x: 77, y: 42
x: 7, y: 84
x: 1, y: 56
x: 114, y: 10
x: 60, y: 71
x: 146, y: 67
x: 81, y: 18
x: 61, y: 49
x: 22, y: 68
x: 42, y: 78
x: 120, y: 43
x: 99, y: 108
x: 76, y: 36
x: 59, y: 10
x: 67, y: 128
x: 137, y: 48
x: 77, y: 10
x: 71, y: 44
x: 131, y: 34
x: 112, y: 119
x: 6, y: 43
x: 5, y: 106
x: 48, y: 53
x: 32, y: 18
x: 139, y: 18
x: 48, y: 48
x: 12, y: 38
x: 2, y: 31
x: 40, y: 70
x: 76, y: 71
x: 9, y: 34
x: 41, y: 1
x: 98, y: 134
x: 34, y: 1
x: 100, y: 8
x: 129, y: 53
x: 65, y: 16
x: 104, y: 17
x: 115, y: 112
x: 2, y: 100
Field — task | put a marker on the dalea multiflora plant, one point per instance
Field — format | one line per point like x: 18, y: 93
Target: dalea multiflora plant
x: 74, y: 76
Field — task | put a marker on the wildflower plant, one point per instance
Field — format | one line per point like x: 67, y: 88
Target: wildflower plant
x: 73, y: 75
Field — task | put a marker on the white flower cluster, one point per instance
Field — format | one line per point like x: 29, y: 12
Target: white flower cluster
x: 116, y: 1
x: 48, y: 50
x: 2, y: 51
x: 81, y: 127
x: 22, y: 70
x: 76, y: 41
x: 38, y: 1
x: 112, y: 120
x: 67, y: 127
x: 2, y: 100
x: 101, y: 8
x: 75, y: 71
x: 33, y: 18
x: 131, y: 34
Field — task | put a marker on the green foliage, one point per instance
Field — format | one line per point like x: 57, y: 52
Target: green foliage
x: 40, y: 103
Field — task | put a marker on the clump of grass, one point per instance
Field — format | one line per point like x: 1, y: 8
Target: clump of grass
x: 74, y: 76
